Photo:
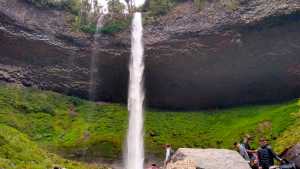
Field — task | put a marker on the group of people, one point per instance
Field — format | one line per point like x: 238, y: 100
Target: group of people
x: 262, y: 158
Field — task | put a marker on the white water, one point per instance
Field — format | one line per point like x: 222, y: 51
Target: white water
x: 93, y: 62
x: 100, y: 22
x: 134, y: 159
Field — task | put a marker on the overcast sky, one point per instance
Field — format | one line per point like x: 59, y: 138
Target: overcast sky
x: 139, y: 3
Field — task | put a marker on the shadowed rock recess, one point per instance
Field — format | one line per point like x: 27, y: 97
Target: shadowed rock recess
x: 221, y: 55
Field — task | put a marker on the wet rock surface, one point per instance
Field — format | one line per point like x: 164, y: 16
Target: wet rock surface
x: 187, y: 158
x: 225, y: 54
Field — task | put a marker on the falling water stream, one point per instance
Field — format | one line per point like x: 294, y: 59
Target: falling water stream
x: 94, y: 60
x: 134, y: 158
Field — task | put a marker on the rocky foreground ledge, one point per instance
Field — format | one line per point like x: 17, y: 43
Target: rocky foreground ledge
x: 188, y: 158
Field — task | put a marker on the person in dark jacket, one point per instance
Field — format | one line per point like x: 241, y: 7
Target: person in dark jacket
x: 266, y: 155
x: 250, y: 151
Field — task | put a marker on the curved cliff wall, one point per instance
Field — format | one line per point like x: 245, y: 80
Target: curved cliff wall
x: 214, y: 57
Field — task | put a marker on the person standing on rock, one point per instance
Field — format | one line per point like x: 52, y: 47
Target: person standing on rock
x: 169, y: 154
x: 266, y: 155
x: 251, y: 153
x: 242, y: 150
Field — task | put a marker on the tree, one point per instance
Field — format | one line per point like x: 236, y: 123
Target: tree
x: 116, y: 7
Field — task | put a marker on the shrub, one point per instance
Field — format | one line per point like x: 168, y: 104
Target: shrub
x: 73, y: 6
x: 3, y: 141
x: 76, y: 101
x: 160, y: 7
x: 116, y: 25
x: 23, y: 108
x: 89, y: 28
x: 46, y: 109
x: 27, y: 108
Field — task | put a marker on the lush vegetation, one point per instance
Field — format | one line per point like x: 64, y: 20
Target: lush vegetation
x: 85, y: 17
x: 18, y: 152
x: 160, y: 7
x: 64, y: 124
x: 79, y: 129
x: 220, y: 128
x: 116, y: 25
x: 116, y: 19
x: 84, y: 20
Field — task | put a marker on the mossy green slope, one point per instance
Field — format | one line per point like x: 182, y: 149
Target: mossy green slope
x: 18, y: 152
x: 221, y: 128
x: 79, y: 129
x: 64, y: 124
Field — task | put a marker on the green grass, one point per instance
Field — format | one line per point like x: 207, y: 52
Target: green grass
x: 18, y: 152
x: 48, y: 119
x: 219, y: 128
x: 73, y: 127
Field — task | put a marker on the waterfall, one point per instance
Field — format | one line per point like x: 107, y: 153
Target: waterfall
x: 93, y: 71
x: 100, y: 22
x: 94, y: 60
x: 134, y: 158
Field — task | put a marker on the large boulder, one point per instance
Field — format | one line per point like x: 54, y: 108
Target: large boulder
x: 293, y: 155
x: 187, y: 158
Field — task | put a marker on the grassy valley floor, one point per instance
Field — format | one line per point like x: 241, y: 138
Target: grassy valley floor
x: 34, y: 123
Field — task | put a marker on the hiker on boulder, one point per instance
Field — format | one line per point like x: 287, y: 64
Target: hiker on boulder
x: 242, y: 150
x: 266, y: 155
x: 251, y: 152
x: 169, y: 154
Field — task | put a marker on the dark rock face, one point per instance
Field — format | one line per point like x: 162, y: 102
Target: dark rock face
x: 220, y: 56
x: 226, y: 58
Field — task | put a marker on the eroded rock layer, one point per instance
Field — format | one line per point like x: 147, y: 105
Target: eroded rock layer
x: 222, y: 55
